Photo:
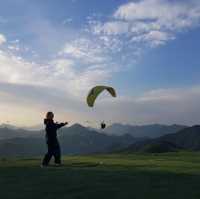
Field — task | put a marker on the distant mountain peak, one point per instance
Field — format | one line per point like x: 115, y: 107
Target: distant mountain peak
x: 195, y: 126
x: 8, y: 126
x: 77, y: 126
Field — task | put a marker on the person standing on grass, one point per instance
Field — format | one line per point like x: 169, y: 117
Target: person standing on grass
x: 51, y: 138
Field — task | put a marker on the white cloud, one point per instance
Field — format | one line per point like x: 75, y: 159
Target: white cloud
x: 60, y: 73
x: 2, y: 39
x: 88, y: 79
x: 112, y: 28
x: 158, y: 21
x: 157, y: 37
x: 154, y: 38
x: 85, y: 50
x: 15, y: 69
x: 150, y: 9
x: 77, y: 82
x: 166, y: 14
x: 63, y: 66
x: 92, y: 63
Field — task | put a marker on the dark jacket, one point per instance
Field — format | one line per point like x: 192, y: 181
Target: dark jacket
x: 51, y: 129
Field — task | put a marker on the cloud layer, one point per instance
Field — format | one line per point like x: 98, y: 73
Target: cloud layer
x: 2, y: 39
x: 101, y: 49
x: 152, y: 22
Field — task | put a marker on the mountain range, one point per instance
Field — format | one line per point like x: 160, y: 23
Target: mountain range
x: 150, y: 131
x: 6, y: 132
x: 74, y: 140
x: 185, y: 139
x: 78, y: 139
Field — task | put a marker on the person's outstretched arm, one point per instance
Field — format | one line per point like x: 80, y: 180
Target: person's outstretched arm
x: 58, y: 126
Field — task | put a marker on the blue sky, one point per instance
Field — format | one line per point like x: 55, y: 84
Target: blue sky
x: 53, y: 52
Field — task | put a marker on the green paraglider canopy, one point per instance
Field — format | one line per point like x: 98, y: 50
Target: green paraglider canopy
x: 94, y: 93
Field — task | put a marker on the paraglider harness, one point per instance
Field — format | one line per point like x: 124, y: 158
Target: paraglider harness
x: 103, y: 125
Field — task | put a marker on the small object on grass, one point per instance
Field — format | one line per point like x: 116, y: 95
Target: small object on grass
x: 58, y: 165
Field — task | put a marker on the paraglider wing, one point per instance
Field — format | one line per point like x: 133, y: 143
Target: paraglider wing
x: 94, y: 93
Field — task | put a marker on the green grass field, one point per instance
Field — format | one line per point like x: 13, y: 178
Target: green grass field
x: 158, y: 176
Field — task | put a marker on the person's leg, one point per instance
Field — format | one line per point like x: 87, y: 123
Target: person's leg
x: 48, y: 155
x: 57, y: 153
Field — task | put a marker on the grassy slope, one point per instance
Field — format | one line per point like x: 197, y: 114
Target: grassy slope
x: 165, y: 176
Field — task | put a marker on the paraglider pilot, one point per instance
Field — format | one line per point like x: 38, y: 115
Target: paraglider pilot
x: 51, y: 138
x: 103, y: 125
